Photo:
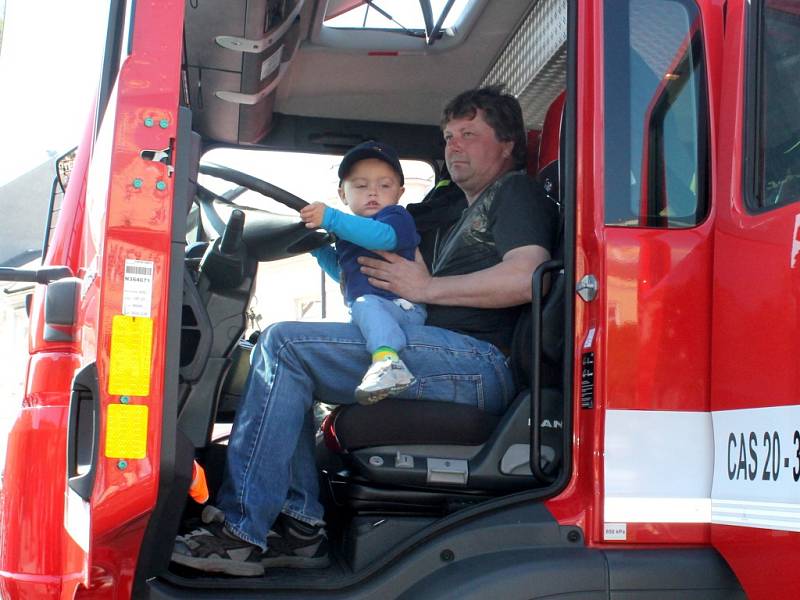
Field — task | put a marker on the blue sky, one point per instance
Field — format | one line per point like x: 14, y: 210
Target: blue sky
x: 49, y: 66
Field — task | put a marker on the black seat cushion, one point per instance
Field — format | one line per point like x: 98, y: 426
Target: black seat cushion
x: 402, y: 422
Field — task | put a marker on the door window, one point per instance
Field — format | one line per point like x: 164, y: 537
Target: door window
x: 774, y: 68
x: 656, y: 140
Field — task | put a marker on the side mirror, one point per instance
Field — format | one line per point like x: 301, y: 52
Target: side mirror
x: 64, y: 164
x: 61, y: 308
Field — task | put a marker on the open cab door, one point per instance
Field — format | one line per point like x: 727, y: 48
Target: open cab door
x: 118, y: 397
x: 756, y: 323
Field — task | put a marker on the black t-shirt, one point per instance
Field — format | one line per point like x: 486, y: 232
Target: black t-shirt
x: 512, y: 212
x: 441, y: 208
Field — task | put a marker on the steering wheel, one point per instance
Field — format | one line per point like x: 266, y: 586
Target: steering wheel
x: 266, y: 235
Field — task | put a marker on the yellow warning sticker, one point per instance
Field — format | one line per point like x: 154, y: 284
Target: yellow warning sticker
x: 131, y: 348
x: 126, y: 431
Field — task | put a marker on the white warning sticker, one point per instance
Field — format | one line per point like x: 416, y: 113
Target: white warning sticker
x: 137, y: 291
x: 271, y: 63
x: 615, y: 531
x: 589, y: 339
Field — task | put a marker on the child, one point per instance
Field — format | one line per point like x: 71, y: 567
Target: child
x: 370, y: 183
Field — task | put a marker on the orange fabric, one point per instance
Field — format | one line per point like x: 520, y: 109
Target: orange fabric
x: 198, y: 490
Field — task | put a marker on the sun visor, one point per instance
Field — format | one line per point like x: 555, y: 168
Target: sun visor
x: 234, y: 65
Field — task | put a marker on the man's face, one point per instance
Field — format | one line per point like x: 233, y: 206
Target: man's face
x: 370, y: 186
x: 474, y: 155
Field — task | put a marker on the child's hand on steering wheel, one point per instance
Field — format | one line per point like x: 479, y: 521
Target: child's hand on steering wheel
x: 313, y: 215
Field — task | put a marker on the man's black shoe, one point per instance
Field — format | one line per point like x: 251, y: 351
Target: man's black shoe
x: 294, y: 544
x: 212, y: 548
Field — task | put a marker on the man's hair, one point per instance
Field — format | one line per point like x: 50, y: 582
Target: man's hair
x: 502, y: 113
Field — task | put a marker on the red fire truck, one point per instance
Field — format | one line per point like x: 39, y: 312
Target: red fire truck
x: 654, y: 448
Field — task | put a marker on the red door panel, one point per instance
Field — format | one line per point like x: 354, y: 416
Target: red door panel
x: 126, y: 247
x: 755, y: 323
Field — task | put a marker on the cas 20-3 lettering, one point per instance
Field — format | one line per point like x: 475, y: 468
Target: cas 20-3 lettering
x: 759, y: 455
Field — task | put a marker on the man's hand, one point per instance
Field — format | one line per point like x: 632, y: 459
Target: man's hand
x: 408, y: 279
x: 313, y: 215
x: 507, y: 283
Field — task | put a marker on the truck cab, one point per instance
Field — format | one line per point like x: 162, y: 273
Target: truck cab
x: 652, y: 449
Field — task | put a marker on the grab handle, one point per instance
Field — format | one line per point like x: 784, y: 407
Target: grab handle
x: 83, y: 432
x: 537, y: 305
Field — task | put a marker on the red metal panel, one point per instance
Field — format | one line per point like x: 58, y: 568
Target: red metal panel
x: 658, y: 316
x: 756, y: 325
x: 38, y: 559
x: 137, y: 222
x: 764, y: 560
x: 651, y: 318
x: 580, y: 502
x: 32, y: 493
x: 65, y: 243
x: 658, y: 296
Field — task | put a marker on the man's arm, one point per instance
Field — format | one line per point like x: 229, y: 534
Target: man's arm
x: 507, y: 283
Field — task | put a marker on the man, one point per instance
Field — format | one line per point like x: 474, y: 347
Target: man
x: 268, y: 512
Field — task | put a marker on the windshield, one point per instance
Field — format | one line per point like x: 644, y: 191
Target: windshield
x: 304, y: 292
x: 312, y: 177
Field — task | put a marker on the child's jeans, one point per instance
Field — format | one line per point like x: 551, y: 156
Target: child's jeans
x: 381, y: 320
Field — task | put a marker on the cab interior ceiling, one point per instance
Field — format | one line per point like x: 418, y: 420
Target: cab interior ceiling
x: 298, y: 86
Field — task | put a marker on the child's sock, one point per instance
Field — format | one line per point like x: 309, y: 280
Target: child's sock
x: 384, y: 352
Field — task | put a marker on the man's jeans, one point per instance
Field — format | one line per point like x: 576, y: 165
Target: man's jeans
x: 381, y: 320
x: 270, y: 463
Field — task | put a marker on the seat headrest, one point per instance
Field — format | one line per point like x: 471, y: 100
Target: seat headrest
x: 551, y: 133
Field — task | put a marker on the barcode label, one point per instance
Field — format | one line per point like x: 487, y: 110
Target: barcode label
x: 139, y: 270
x: 137, y: 291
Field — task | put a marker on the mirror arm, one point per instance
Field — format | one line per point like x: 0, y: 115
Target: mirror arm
x: 43, y: 275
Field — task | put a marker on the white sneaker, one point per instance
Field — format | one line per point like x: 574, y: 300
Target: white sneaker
x: 384, y: 378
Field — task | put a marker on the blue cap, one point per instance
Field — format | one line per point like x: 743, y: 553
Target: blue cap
x: 371, y: 149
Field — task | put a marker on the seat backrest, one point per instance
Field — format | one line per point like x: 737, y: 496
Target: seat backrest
x: 549, y: 163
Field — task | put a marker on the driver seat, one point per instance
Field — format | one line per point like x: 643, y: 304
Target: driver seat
x: 427, y: 456
x: 424, y: 456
